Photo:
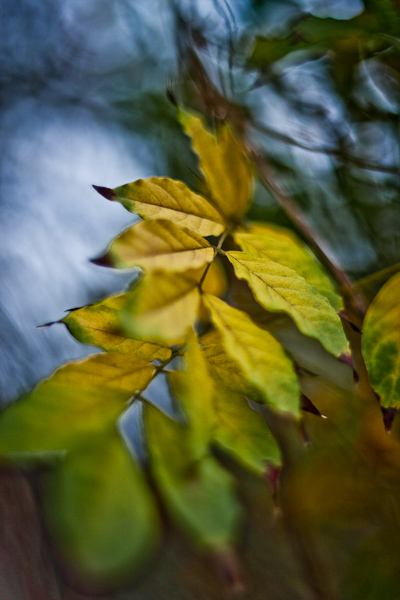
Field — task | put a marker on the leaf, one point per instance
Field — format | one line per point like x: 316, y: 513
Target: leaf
x: 224, y: 368
x: 80, y: 398
x: 283, y: 247
x: 160, y: 244
x: 225, y: 166
x: 278, y: 288
x: 99, y: 324
x: 381, y: 343
x: 163, y: 306
x: 259, y: 355
x: 243, y: 432
x: 198, y: 492
x: 194, y: 389
x: 101, y: 511
x: 163, y: 198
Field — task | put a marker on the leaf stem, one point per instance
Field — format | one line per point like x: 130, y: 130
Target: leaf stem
x: 216, y: 250
x: 159, y: 369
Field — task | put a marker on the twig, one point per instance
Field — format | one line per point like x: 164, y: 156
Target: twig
x: 335, y: 153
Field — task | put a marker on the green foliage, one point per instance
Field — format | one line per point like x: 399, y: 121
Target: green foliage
x: 180, y: 318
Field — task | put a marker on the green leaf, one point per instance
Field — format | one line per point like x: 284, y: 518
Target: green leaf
x: 284, y: 247
x: 80, y: 398
x: 278, y: 288
x: 259, y: 355
x: 243, y: 432
x: 163, y: 198
x: 226, y: 168
x: 381, y: 343
x: 198, y: 492
x: 160, y: 244
x: 162, y: 306
x: 194, y: 388
x: 99, y: 324
x: 101, y: 511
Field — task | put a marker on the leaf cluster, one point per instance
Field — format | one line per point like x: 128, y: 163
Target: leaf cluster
x: 182, y: 320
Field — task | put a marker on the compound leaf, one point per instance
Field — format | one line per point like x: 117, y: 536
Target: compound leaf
x: 284, y: 247
x: 278, y: 288
x: 101, y: 510
x: 160, y: 244
x: 163, y: 198
x: 99, y: 324
x: 259, y: 355
x: 243, y: 432
x: 225, y: 166
x: 198, y: 492
x: 80, y: 398
x: 381, y: 343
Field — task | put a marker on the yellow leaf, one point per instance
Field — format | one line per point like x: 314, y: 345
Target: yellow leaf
x: 284, y: 247
x: 216, y: 282
x: 163, y: 198
x: 101, y: 512
x: 381, y: 343
x: 79, y: 398
x: 99, y: 324
x: 259, y: 355
x: 163, y: 306
x: 224, y: 164
x: 160, y: 244
x: 198, y: 493
x: 194, y: 388
x: 278, y: 288
x: 243, y: 432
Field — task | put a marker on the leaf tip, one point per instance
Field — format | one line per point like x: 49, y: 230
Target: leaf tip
x: 388, y: 418
x: 308, y: 406
x: 102, y: 261
x: 105, y: 192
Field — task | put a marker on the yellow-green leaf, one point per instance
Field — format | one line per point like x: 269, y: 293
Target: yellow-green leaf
x: 160, y: 244
x: 278, y: 288
x: 224, y: 368
x: 224, y: 164
x: 99, y: 324
x: 259, y: 355
x: 199, y: 494
x: 101, y: 511
x: 284, y: 247
x: 78, y: 399
x: 243, y: 432
x: 163, y: 198
x: 381, y: 343
x: 163, y: 306
x: 194, y: 388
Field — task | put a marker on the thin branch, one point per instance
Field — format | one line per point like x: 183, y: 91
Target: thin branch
x: 335, y: 153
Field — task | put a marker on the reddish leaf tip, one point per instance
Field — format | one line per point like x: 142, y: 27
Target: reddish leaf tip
x: 105, y: 192
x: 102, y: 261
x: 388, y: 417
x: 308, y: 406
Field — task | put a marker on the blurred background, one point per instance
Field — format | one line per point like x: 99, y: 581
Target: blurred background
x: 83, y: 102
